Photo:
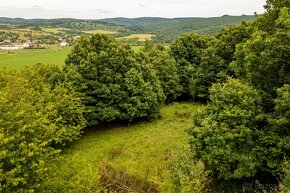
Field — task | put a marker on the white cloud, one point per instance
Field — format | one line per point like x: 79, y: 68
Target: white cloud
x: 127, y: 8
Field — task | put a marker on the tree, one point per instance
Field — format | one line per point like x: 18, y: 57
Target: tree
x: 215, y: 60
x: 187, y: 50
x: 225, y: 133
x: 243, y: 133
x: 166, y: 69
x: 280, y: 121
x: 99, y: 68
x: 263, y: 60
x: 35, y: 119
x: 212, y: 69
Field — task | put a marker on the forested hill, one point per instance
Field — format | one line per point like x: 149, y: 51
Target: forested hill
x: 168, y: 29
x: 141, y: 21
x: 69, y: 23
x: 164, y: 29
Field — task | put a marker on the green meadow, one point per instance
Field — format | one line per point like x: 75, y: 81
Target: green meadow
x: 139, y: 152
x: 19, y: 59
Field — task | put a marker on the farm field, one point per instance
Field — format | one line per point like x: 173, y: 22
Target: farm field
x: 100, y: 32
x: 141, y: 150
x: 140, y: 37
x: 21, y: 58
x: 53, y: 30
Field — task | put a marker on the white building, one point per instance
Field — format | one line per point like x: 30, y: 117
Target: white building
x: 63, y: 44
x: 27, y: 45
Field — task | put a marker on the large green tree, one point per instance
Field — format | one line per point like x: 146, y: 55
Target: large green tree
x: 35, y: 119
x: 187, y: 50
x: 242, y: 134
x: 225, y: 133
x: 109, y: 77
x: 166, y: 69
x: 215, y: 60
x: 264, y: 59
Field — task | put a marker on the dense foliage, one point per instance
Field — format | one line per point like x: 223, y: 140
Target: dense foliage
x: 243, y: 72
x: 167, y: 29
x: 263, y: 60
x: 34, y: 119
x: 187, y: 50
x: 243, y: 133
x: 215, y: 60
x: 115, y: 84
x: 166, y: 69
x: 226, y: 132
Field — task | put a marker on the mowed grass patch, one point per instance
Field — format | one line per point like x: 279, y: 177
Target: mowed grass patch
x: 19, y: 59
x: 140, y: 37
x: 137, y: 48
x: 140, y: 151
x: 53, y: 30
x: 97, y: 31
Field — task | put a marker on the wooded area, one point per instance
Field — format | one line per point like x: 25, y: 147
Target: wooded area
x: 238, y: 140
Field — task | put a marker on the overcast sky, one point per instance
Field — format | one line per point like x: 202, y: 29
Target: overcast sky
x: 96, y: 9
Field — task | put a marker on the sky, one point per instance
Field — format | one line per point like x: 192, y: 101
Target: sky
x: 97, y: 9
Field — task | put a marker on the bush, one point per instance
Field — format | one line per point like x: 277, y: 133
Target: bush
x: 184, y: 174
x: 285, y: 185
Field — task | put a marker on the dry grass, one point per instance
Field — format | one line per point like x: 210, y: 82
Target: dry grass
x: 140, y: 37
x: 97, y: 31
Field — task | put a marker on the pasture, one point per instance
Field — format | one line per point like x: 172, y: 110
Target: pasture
x: 100, y: 32
x: 140, y: 37
x: 19, y: 59
x: 140, y: 151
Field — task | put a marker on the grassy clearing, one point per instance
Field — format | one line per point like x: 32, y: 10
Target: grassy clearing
x: 140, y: 37
x: 136, y: 48
x: 53, y: 30
x: 100, y: 32
x: 28, y: 57
x: 140, y: 151
x: 19, y: 59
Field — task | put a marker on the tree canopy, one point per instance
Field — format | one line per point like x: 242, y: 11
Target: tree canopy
x: 36, y: 119
x: 114, y: 83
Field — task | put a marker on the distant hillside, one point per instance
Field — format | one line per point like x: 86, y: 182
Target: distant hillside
x: 168, y: 29
x: 68, y: 23
x: 165, y: 30
x: 141, y: 21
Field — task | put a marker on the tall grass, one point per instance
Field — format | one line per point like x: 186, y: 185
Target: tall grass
x: 123, y: 158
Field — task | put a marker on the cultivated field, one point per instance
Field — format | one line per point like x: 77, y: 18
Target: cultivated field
x: 100, y: 32
x: 21, y: 58
x: 140, y: 37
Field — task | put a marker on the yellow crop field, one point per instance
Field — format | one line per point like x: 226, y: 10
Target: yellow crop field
x: 100, y: 32
x: 53, y: 30
x: 140, y: 37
